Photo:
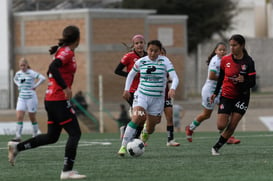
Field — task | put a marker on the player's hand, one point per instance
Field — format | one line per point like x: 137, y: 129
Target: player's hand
x: 126, y: 95
x: 171, y: 93
x: 240, y: 78
x: 68, y: 93
x: 212, y: 98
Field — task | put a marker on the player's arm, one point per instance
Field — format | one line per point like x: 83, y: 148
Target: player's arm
x: 54, y: 70
x: 41, y: 79
x: 249, y: 77
x: 16, y: 80
x: 119, y: 70
x: 212, y: 75
x: 219, y: 82
x: 128, y: 83
x: 175, y: 82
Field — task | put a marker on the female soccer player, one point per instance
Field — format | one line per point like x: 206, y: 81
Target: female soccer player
x: 27, y: 100
x: 149, y: 96
x: 213, y: 62
x: 237, y: 76
x: 128, y: 61
x: 57, y: 104
x: 168, y: 111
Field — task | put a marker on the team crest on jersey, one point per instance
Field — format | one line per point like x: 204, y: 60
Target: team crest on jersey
x: 160, y: 61
x: 228, y: 65
x: 243, y: 67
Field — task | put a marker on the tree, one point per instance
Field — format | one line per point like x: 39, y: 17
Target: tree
x: 206, y: 17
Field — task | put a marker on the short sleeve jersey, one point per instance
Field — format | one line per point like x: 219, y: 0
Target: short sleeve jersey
x: 232, y: 68
x: 67, y: 70
x: 129, y: 60
x: 214, y: 66
x: 25, y: 82
x: 153, y: 75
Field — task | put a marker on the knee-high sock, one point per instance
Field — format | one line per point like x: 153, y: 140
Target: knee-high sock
x: 19, y: 129
x: 129, y: 133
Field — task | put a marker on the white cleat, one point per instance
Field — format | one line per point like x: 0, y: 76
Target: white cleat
x: 12, y: 152
x: 172, y: 143
x: 71, y: 175
x: 214, y: 152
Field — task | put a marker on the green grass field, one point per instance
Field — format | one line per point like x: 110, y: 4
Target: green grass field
x: 251, y: 160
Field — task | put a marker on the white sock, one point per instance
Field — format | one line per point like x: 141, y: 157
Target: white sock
x: 35, y: 129
x: 19, y: 129
x: 128, y: 135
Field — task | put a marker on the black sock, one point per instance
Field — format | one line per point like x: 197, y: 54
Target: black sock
x: 138, y: 131
x: 68, y: 164
x: 170, y: 133
x: 220, y: 143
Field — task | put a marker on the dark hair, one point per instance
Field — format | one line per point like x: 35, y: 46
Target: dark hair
x: 155, y: 42
x: 213, y: 52
x: 241, y: 40
x: 163, y: 50
x: 70, y: 35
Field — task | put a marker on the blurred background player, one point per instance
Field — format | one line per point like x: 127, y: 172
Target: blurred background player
x: 168, y: 111
x: 178, y: 114
x: 127, y: 62
x: 149, y: 98
x: 213, y: 62
x: 123, y: 119
x: 27, y: 80
x: 237, y: 76
x: 79, y: 97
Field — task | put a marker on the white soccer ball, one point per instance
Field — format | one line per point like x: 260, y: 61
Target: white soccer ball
x: 135, y: 148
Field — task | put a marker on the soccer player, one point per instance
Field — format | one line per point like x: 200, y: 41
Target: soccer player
x: 127, y: 62
x: 237, y: 76
x: 213, y: 62
x: 149, y: 96
x: 168, y: 111
x: 57, y: 104
x: 27, y: 101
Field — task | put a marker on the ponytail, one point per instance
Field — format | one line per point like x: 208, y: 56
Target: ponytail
x: 70, y: 35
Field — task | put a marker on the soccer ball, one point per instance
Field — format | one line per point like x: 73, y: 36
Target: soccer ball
x: 135, y: 148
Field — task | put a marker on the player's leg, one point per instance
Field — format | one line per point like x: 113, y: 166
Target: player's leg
x: 21, y: 108
x: 206, y: 113
x: 138, y: 118
x: 32, y: 105
x: 154, y: 110
x: 168, y: 111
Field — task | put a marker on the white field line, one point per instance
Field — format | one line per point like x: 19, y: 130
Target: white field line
x: 106, y: 142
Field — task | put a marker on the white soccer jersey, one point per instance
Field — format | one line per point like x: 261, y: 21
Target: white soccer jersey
x: 210, y: 85
x: 153, y: 75
x: 26, y: 82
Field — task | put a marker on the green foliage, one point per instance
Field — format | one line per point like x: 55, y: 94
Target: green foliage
x: 205, y: 17
x: 251, y: 160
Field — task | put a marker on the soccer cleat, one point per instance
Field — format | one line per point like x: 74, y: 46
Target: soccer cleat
x: 214, y: 152
x: 188, y: 133
x: 71, y: 175
x: 144, y: 137
x: 122, y: 151
x: 173, y: 143
x: 233, y: 140
x: 12, y: 152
